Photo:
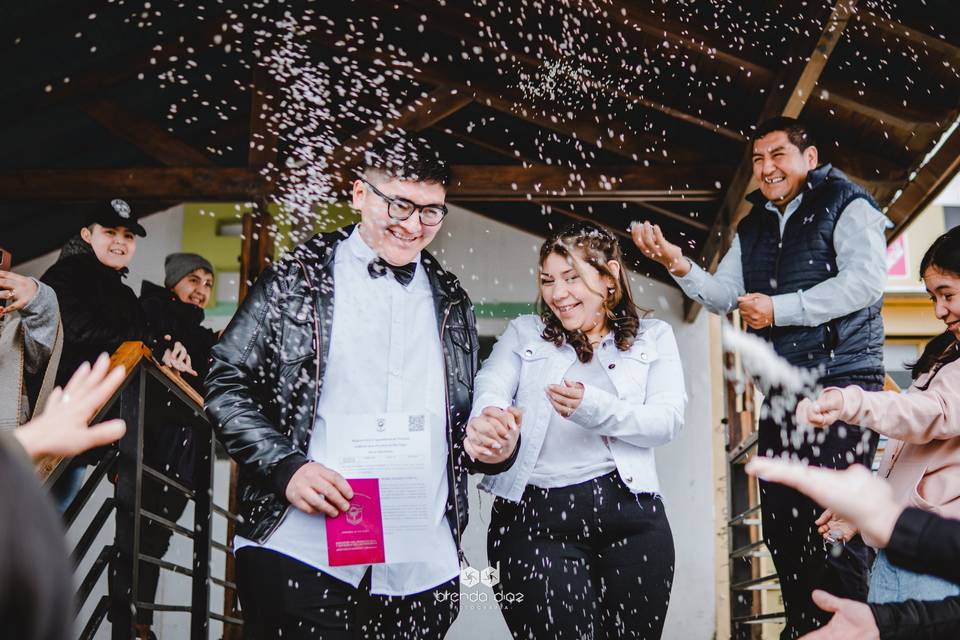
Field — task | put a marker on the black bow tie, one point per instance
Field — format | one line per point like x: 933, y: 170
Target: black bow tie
x: 404, y: 274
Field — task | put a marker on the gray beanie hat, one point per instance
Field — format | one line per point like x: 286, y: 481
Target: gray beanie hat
x: 178, y: 265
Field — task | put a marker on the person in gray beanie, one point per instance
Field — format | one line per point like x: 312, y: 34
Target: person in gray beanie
x: 179, y: 265
x: 175, y: 314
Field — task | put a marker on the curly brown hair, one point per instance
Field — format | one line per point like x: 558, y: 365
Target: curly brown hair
x: 596, y: 246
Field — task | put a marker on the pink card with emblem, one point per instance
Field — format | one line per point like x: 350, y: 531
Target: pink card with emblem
x: 356, y: 536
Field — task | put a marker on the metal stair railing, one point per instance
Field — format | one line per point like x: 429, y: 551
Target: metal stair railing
x: 124, y: 464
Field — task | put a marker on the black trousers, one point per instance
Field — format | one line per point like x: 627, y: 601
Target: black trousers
x: 592, y: 560
x: 803, y: 561
x: 284, y: 599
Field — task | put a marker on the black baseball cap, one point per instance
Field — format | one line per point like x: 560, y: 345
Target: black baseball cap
x: 116, y: 213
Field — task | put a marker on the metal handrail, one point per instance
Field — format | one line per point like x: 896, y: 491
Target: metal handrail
x: 124, y: 464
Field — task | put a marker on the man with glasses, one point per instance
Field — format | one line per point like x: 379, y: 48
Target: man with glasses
x: 359, y: 321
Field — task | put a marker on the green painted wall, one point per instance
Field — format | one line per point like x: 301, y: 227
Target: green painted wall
x: 200, y: 220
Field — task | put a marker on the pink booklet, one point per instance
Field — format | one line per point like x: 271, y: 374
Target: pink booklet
x: 356, y: 537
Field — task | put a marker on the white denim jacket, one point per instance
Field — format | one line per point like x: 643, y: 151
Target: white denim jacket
x: 646, y: 412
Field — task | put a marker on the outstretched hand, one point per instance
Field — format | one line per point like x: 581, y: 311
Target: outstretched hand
x: 649, y: 239
x: 854, y: 494
x: 851, y: 619
x: 61, y: 430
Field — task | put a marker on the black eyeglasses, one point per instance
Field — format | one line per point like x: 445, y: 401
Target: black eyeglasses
x: 400, y: 209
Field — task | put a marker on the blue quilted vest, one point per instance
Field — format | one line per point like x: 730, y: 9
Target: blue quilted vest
x: 804, y: 258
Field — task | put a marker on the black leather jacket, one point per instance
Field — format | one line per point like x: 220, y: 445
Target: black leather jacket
x: 267, y: 371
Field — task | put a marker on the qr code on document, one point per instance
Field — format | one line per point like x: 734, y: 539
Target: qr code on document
x: 415, y: 423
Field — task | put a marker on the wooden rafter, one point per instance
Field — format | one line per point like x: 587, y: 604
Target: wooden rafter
x: 877, y: 106
x: 930, y: 180
x: 212, y: 184
x: 612, y: 137
x: 470, y: 29
x: 144, y: 134
x: 948, y: 50
x: 110, y: 72
x: 795, y: 87
x: 543, y: 181
x: 685, y: 37
x: 421, y: 114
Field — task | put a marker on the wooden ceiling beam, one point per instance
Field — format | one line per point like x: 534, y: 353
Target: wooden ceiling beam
x: 543, y: 181
x: 682, y: 36
x: 423, y: 113
x: 686, y: 197
x: 112, y: 71
x: 927, y: 182
x: 648, y: 205
x: 144, y: 134
x: 877, y: 106
x: 607, y: 135
x: 901, y: 32
x: 470, y: 29
x: 179, y: 184
x: 512, y: 154
x: 672, y: 215
x: 793, y: 88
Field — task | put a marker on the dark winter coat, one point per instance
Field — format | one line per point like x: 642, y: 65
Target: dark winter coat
x: 170, y: 446
x: 99, y: 312
x: 925, y: 543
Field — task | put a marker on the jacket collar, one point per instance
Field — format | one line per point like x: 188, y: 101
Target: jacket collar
x: 318, y: 252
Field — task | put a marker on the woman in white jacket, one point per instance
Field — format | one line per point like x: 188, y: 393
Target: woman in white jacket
x: 578, y: 526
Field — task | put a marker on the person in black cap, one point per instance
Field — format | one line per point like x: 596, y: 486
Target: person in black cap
x: 99, y: 312
x: 174, y: 313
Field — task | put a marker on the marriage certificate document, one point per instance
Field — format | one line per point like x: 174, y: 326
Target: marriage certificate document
x: 388, y: 454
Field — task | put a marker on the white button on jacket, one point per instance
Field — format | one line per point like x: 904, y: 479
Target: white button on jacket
x: 646, y: 412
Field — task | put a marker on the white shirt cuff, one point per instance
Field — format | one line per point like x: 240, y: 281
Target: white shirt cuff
x: 587, y: 414
x: 787, y: 310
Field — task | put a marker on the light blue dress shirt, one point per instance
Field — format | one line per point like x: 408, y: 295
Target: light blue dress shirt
x: 860, y: 244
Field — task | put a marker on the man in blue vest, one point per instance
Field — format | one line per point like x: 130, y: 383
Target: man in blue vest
x: 806, y: 270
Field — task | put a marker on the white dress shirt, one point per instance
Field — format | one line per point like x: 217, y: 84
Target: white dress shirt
x: 385, y: 356
x: 860, y: 245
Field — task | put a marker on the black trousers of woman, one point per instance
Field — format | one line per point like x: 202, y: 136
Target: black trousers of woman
x: 588, y: 561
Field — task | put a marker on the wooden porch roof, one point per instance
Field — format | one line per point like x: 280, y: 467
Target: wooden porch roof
x: 612, y: 110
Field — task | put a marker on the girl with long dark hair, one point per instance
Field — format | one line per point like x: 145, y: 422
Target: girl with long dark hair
x: 578, y: 528
x: 922, y: 458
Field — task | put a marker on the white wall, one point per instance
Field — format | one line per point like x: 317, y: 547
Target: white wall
x: 496, y: 263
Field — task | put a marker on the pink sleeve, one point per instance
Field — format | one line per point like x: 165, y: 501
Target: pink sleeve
x: 916, y: 417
